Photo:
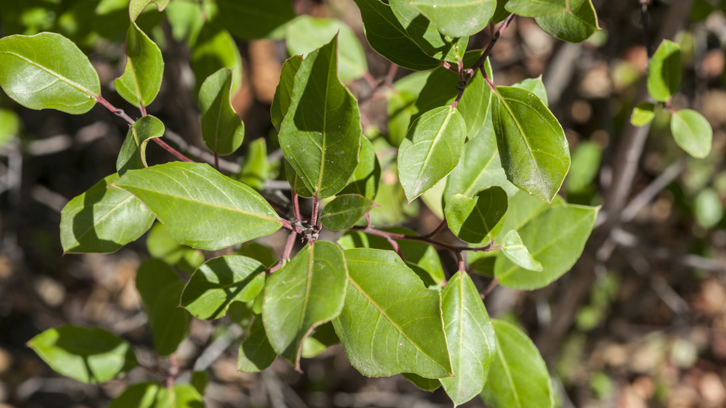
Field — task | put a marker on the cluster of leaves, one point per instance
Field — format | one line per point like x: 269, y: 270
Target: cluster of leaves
x: 491, y: 158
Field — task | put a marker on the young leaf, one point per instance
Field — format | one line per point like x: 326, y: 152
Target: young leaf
x: 643, y: 114
x: 255, y: 167
x: 151, y: 394
x: 431, y: 150
x: 103, y: 219
x: 514, y: 249
x: 532, y: 144
x: 133, y: 152
x: 221, y: 281
x: 222, y: 130
x: 86, y: 353
x: 255, y: 352
x: 426, y: 384
x: 252, y: 19
x: 473, y: 219
x: 367, y: 175
x: 391, y: 323
x: 425, y: 35
x: 305, y: 293
x: 388, y: 37
x: 536, y: 86
x: 692, y: 132
x: 212, y: 50
x: 141, y: 80
x: 283, y: 94
x: 664, y: 71
x: 136, y: 7
x: 321, y: 135
x: 518, y: 377
x: 48, y: 71
x: 536, y: 8
x: 345, y: 211
x: 199, y: 206
x: 160, y: 289
x: 555, y: 238
x: 305, y: 34
x: 457, y: 18
x: 470, y: 338
x: 575, y: 24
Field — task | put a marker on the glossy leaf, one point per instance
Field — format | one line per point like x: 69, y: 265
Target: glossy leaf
x: 536, y: 86
x: 391, y: 323
x: 386, y: 36
x: 213, y: 49
x: 252, y: 19
x: 532, y: 145
x: 162, y: 246
x: 133, y: 151
x: 514, y: 249
x: 199, y: 206
x: 103, y: 219
x: 222, y: 130
x: 221, y: 281
x: 345, y: 211
x: 457, y: 18
x: 518, y: 377
x: 426, y: 384
x: 692, y: 132
x: 431, y: 150
x: 556, y: 239
x: 255, y: 352
x: 575, y: 24
x: 474, y: 219
x: 664, y: 71
x: 160, y: 289
x: 305, y: 34
x: 320, y: 135
x: 47, y: 71
x: 141, y: 80
x: 307, y: 292
x: 470, y: 338
x: 136, y: 7
x: 367, y: 175
x: 536, y: 8
x: 643, y: 114
x: 85, y: 353
x: 283, y: 94
x: 423, y: 32
x: 255, y: 167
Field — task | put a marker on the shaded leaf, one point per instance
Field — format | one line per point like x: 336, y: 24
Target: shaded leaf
x: 136, y: 7
x: 522, y: 209
x: 707, y: 208
x: 141, y: 80
x: 367, y: 175
x: 664, y: 71
x: 255, y: 352
x: 401, y: 105
x: 323, y: 337
x: 585, y: 166
x: 575, y: 25
x: 211, y: 50
x: 345, y: 211
x: 643, y: 114
x: 9, y: 126
x: 133, y: 152
x: 261, y: 253
x: 222, y: 130
x: 514, y: 249
x: 296, y: 182
x: 692, y: 132
x: 501, y: 13
x: 426, y: 384
x: 457, y: 18
x: 536, y: 8
x: 186, y: 396
x: 474, y: 219
x: 150, y: 394
x: 251, y: 19
x: 255, y: 167
x: 283, y: 94
x: 162, y: 246
x: 199, y: 381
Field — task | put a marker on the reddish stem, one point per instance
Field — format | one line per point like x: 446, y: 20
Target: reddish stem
x: 114, y: 110
x: 173, y: 151
x: 314, y: 215
x: 289, y: 245
x: 460, y: 260
x: 453, y: 248
x: 216, y: 160
x: 392, y: 70
x: 437, y: 230
x: 493, y: 284
x: 142, y: 108
x: 296, y: 204
x: 396, y: 248
x: 371, y: 81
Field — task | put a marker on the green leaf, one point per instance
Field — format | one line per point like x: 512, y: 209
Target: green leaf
x: 345, y: 211
x: 474, y: 219
x: 367, y: 175
x: 707, y: 208
x: 212, y: 50
x: 133, y: 152
x: 305, y: 293
x: 401, y: 105
x: 585, y: 166
x: 252, y: 19
x: 643, y: 114
x: 296, y: 183
x: 255, y: 167
x: 221, y: 281
x: 664, y: 71
x: 151, y: 394
x: 162, y: 246
x: 323, y: 337
x: 501, y: 13
x: 261, y: 253
x: 692, y: 132
x: 222, y: 130
x: 426, y: 384
x: 514, y: 249
x: 305, y: 34
x: 160, y: 289
x: 321, y: 135
x: 388, y: 37
x: 391, y: 323
x: 85, y: 353
x: 141, y: 80
x: 48, y: 71
x: 9, y: 126
x: 199, y: 381
x: 575, y: 24
x: 536, y: 8
x: 283, y: 94
x: 103, y: 219
x: 423, y: 32
x: 522, y: 209
x: 199, y: 206
x: 555, y: 238
x: 532, y: 144
x: 536, y: 86
x: 480, y: 167
x: 136, y: 7
x: 186, y: 396
x: 518, y: 377
x: 255, y: 352
x: 470, y: 337
x: 457, y: 18
x: 431, y: 150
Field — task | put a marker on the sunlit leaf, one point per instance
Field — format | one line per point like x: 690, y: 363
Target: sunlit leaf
x: 575, y: 24
x: 345, y: 211
x: 692, y: 132
x: 141, y: 80
x: 664, y: 71
x: 457, y: 18
x: 643, y: 114
x: 283, y: 94
x: 222, y: 130
x: 474, y: 219
x: 133, y: 152
x: 513, y: 248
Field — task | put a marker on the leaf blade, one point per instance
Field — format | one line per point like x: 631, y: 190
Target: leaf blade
x: 222, y: 130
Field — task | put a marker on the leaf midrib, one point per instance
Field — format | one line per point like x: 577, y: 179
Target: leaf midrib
x: 53, y: 73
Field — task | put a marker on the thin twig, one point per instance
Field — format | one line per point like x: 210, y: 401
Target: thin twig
x: 371, y: 81
x: 392, y: 70
x: 289, y: 245
x: 646, y: 30
x: 460, y: 260
x: 493, y: 284
x: 142, y: 108
x: 655, y: 187
x: 396, y: 248
x: 295, y: 204
x: 453, y: 248
x: 314, y: 215
x: 173, y: 151
x: 216, y: 160
x: 437, y: 230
